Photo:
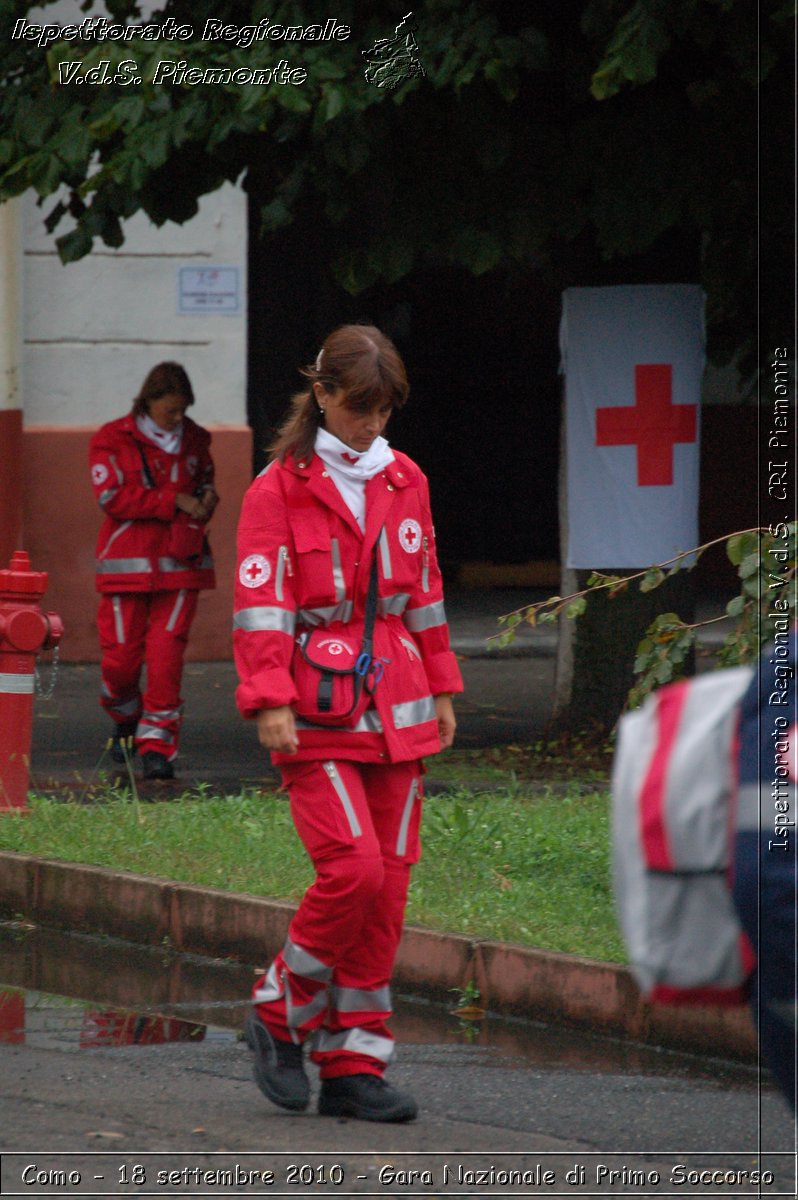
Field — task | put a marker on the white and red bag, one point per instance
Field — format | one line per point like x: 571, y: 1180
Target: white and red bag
x: 673, y: 788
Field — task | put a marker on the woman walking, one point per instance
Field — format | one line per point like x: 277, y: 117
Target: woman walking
x: 343, y: 656
x: 152, y: 475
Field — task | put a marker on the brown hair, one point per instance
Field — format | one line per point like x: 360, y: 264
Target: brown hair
x: 165, y: 379
x: 357, y: 358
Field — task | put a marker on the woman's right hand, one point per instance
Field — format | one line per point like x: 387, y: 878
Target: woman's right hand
x: 191, y: 505
x: 277, y: 729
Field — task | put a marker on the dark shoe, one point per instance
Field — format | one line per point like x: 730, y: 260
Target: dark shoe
x: 367, y: 1097
x: 122, y: 746
x: 279, y: 1070
x: 156, y: 766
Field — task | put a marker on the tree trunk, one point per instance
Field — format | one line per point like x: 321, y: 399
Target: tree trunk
x: 591, y: 689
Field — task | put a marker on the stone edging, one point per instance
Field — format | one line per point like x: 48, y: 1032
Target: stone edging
x: 535, y: 984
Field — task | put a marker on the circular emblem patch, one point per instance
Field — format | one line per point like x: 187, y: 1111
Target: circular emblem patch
x: 254, y: 571
x: 99, y: 473
x: 410, y: 536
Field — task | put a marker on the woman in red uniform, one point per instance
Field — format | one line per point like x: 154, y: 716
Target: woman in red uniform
x: 153, y: 477
x: 343, y: 656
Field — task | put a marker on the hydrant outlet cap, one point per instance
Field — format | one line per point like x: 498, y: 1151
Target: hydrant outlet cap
x: 25, y: 629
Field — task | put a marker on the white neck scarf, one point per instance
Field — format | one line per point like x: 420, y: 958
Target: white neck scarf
x: 169, y: 440
x: 351, y: 471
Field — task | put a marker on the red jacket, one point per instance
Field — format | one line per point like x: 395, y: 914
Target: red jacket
x: 136, y: 483
x: 303, y: 562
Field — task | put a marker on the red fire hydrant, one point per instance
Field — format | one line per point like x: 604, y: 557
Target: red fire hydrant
x: 24, y: 632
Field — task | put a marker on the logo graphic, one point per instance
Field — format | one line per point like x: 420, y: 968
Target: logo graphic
x: 99, y: 473
x: 410, y: 536
x: 335, y: 647
x: 254, y: 571
x: 392, y: 60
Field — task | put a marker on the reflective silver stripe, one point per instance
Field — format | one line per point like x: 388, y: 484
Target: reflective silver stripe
x: 393, y: 606
x: 370, y: 722
x: 385, y: 556
x: 179, y: 602
x: 419, y: 619
x: 125, y: 708
x: 154, y: 733
x: 359, y: 1041
x: 324, y: 616
x: 413, y: 712
x: 163, y: 714
x: 271, y: 990
x: 125, y: 525
x: 298, y: 1015
x: 265, y: 618
x: 172, y: 564
x: 338, y: 572
x: 15, y: 685
x: 266, y: 469
x: 410, y: 647
x: 123, y: 566
x: 119, y: 621
x: 425, y: 565
x: 401, y: 841
x: 301, y: 962
x: 349, y: 999
x: 344, y: 797
x: 107, y: 495
x: 282, y: 555
x: 175, y: 472
x: 119, y: 475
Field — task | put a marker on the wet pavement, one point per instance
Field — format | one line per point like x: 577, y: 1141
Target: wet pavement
x: 115, y: 1057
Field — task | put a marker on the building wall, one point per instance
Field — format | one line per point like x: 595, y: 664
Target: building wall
x: 91, y: 332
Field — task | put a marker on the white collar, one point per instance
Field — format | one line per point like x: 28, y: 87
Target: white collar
x: 345, y: 461
x: 169, y: 440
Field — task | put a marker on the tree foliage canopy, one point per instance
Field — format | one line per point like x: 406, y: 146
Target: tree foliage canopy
x: 536, y: 130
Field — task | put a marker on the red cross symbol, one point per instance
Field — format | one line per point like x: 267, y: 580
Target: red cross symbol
x: 254, y: 570
x: 654, y: 424
x: 410, y: 535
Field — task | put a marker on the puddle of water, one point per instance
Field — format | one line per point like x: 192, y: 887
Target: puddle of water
x: 78, y: 992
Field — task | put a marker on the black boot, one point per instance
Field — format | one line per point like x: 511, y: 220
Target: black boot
x: 156, y: 766
x: 122, y: 745
x: 367, y: 1097
x: 279, y: 1070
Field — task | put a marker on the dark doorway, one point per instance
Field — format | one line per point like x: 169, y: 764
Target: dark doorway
x: 482, y: 357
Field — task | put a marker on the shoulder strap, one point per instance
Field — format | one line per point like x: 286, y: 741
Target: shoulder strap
x: 145, y: 466
x: 371, y: 607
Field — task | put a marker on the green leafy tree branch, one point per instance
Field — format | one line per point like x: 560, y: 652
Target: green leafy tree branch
x: 536, y: 131
x: 765, y: 559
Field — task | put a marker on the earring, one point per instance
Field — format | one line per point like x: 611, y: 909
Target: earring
x: 321, y: 412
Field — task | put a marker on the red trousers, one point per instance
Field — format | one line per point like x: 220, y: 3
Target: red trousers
x: 359, y: 823
x: 138, y: 629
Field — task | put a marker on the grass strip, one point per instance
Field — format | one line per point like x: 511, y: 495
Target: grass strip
x: 515, y: 865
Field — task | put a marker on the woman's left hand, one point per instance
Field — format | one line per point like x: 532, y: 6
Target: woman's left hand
x: 209, y: 502
x: 444, y: 713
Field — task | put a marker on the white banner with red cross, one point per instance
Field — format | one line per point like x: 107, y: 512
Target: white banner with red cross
x: 633, y: 359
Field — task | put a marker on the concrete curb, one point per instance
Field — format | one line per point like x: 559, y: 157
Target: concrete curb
x: 538, y: 985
